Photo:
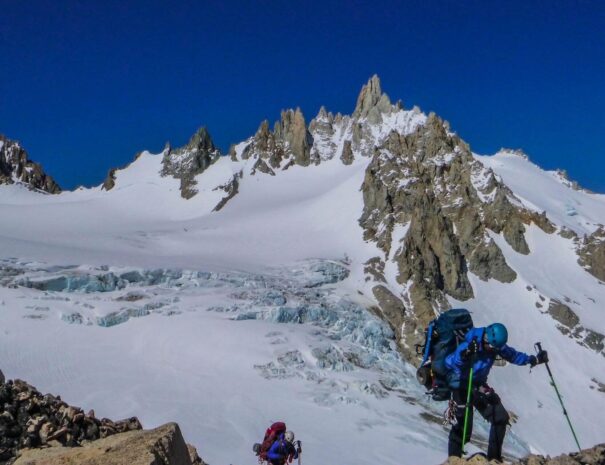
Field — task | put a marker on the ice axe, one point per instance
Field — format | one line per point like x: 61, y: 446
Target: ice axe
x: 538, y: 347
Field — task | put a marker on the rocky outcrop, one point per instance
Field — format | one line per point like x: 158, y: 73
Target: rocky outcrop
x: 293, y: 131
x: 15, y: 166
x: 391, y: 308
x: 563, y: 176
x: 563, y: 314
x: 187, y: 162
x: 110, y: 180
x: 432, y: 208
x: 592, y: 456
x: 347, y: 156
x: 31, y: 419
x: 371, y: 102
x: 161, y: 446
x: 37, y: 429
x: 231, y: 189
x: 289, y: 143
x: 568, y: 323
x: 592, y: 253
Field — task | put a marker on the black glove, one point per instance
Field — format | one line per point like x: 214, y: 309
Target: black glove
x: 298, y: 447
x: 542, y: 357
x: 472, y: 349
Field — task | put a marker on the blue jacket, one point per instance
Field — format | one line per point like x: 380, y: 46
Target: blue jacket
x: 280, y: 450
x: 458, y: 369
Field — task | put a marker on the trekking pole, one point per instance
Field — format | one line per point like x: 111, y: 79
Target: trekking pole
x: 538, y: 347
x: 468, y: 402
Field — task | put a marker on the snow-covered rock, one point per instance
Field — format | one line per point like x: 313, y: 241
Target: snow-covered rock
x: 16, y: 167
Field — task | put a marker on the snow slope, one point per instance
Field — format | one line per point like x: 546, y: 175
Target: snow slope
x: 541, y: 190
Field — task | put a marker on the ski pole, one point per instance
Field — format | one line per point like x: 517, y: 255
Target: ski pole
x: 538, y: 347
x: 468, y: 401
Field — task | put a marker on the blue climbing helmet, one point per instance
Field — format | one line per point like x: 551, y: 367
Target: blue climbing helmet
x: 496, y: 335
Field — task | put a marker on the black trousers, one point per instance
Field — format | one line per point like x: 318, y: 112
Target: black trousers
x: 490, y: 407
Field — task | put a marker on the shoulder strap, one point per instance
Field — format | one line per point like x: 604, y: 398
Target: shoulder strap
x: 427, y: 346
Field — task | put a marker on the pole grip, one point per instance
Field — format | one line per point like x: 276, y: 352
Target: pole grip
x: 538, y: 346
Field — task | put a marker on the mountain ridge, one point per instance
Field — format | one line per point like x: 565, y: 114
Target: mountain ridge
x: 430, y: 206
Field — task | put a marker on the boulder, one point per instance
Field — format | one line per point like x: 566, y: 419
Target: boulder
x: 592, y: 253
x: 161, y: 446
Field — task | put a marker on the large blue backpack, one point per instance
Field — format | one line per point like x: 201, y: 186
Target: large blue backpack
x: 442, y: 336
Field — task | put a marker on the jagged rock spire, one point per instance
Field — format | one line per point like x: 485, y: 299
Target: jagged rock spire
x: 187, y: 162
x: 293, y: 130
x: 201, y: 141
x: 371, y: 101
x: 15, y: 166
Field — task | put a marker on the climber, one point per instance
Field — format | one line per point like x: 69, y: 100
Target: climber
x: 283, y: 451
x: 467, y: 370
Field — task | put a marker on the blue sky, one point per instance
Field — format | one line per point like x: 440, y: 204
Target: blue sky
x: 84, y: 85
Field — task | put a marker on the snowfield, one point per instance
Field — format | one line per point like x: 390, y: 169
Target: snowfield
x: 138, y: 302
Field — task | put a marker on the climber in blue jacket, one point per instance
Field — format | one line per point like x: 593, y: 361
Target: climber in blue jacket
x: 283, y: 451
x: 481, y: 347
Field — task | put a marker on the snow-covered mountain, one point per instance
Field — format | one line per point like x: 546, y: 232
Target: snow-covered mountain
x: 291, y: 278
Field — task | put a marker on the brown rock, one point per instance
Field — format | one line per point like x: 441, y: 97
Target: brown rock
x: 160, y: 446
x: 592, y: 253
x: 391, y: 307
x: 293, y: 130
x: 563, y: 314
x: 15, y: 165
x: 347, y: 153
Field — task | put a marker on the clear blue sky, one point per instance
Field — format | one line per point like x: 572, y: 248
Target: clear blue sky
x: 84, y: 85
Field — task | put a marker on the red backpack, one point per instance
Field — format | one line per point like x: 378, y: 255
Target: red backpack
x: 271, y: 435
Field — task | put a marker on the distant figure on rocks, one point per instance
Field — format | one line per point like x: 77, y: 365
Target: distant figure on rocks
x: 283, y: 451
x: 479, y: 349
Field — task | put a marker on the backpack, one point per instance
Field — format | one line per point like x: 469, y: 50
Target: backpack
x: 442, y: 336
x: 271, y: 435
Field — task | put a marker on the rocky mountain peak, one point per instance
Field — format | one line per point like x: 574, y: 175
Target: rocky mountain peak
x: 16, y: 167
x: 201, y: 141
x: 187, y: 162
x: 292, y: 129
x: 323, y: 116
x: 290, y: 142
x: 371, y: 102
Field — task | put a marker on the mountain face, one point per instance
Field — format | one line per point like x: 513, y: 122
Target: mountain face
x: 309, y: 260
x: 431, y: 208
x: 429, y: 205
x: 15, y: 166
